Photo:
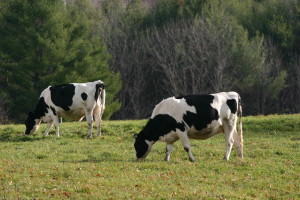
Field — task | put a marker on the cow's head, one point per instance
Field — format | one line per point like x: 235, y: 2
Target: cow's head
x: 142, y: 146
x: 32, y: 124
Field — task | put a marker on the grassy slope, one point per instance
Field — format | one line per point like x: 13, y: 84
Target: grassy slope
x: 72, y: 167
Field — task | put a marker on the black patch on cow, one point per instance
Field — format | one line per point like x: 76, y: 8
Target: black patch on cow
x: 61, y: 95
x: 186, y: 149
x: 29, y: 123
x: 53, y: 110
x: 232, y: 104
x: 161, y: 125
x: 99, y: 86
x: 205, y: 113
x: 140, y: 145
x: 84, y: 96
x: 40, y: 110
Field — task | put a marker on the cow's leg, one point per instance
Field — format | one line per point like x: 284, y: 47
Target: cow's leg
x: 228, y: 129
x: 169, y: 148
x: 48, y: 128
x: 238, y: 143
x: 98, y: 121
x: 168, y: 151
x: 89, y: 119
x: 56, y: 124
x: 186, y: 145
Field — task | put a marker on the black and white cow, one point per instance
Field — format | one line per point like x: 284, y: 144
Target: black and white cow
x: 73, y: 101
x: 196, y: 117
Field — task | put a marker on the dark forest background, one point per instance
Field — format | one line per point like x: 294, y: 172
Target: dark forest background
x: 145, y: 51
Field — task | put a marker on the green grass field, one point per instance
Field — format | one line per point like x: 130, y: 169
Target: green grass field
x: 73, y: 167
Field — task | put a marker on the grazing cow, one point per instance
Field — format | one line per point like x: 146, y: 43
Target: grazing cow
x: 73, y: 101
x: 194, y: 116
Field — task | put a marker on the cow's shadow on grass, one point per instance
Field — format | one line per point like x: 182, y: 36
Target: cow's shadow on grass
x: 10, y: 135
x: 99, y: 160
x: 103, y: 158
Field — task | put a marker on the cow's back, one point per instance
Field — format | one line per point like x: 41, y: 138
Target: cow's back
x: 198, y: 111
x: 71, y: 100
x: 84, y: 95
x: 174, y: 107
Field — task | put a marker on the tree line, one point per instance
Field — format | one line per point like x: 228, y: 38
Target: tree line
x: 149, y: 50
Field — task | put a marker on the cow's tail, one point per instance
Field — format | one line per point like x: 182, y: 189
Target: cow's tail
x: 100, y: 95
x: 240, y: 124
x: 103, y: 96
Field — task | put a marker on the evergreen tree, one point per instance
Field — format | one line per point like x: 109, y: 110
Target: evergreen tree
x: 47, y: 42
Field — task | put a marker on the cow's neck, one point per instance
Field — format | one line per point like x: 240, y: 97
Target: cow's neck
x: 41, y: 109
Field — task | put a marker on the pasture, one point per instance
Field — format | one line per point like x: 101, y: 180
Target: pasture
x: 73, y: 167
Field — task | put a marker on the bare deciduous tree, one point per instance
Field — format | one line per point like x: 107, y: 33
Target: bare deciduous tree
x: 206, y: 55
x: 290, y: 96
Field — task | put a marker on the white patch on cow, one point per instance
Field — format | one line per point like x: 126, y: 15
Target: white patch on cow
x: 215, y: 123
x: 48, y: 116
x: 218, y: 101
x: 36, y: 126
x: 173, y: 107
x: 149, y: 143
x: 220, y: 104
x: 170, y: 137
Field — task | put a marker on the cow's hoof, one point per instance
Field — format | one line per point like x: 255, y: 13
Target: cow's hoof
x: 226, y: 159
